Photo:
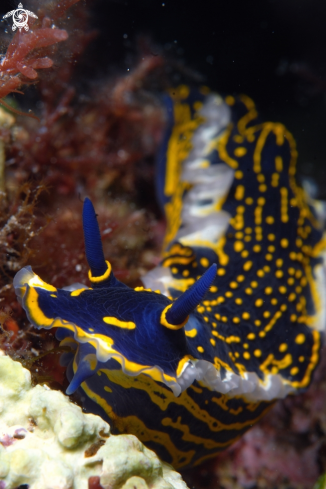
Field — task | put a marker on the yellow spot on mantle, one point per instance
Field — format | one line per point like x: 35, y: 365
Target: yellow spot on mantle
x: 120, y: 324
x: 300, y: 339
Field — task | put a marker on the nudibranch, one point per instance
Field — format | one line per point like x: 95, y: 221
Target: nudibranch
x: 231, y: 320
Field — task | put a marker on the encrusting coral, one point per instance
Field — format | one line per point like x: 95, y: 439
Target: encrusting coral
x: 47, y: 442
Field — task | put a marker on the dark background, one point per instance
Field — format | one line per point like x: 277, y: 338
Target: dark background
x: 272, y: 50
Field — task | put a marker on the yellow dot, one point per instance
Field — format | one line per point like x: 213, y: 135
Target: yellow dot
x: 298, y: 274
x: 300, y: 339
x: 266, y: 314
x: 267, y: 269
x: 301, y: 358
x: 239, y: 192
x: 282, y: 289
x: 185, y: 273
x: 213, y: 288
x: 238, y: 139
x: 221, y: 271
x: 279, y: 262
x: 257, y: 322
x: 247, y: 266
x: 246, y: 355
x: 303, y: 282
x: 262, y: 188
x: 254, y: 284
x: 204, y: 262
x: 283, y: 307
x: 245, y: 253
x: 229, y: 294
x: 251, y: 336
x: 234, y: 285
x: 291, y: 271
x: 269, y: 257
x: 257, y: 248
x: 271, y: 248
x: 262, y: 334
x: 238, y: 301
x: 298, y: 242
x: 238, y: 246
x: 241, y: 209
x: 236, y: 320
x: 274, y: 301
x: 174, y: 270
x: 246, y: 315
x: 298, y: 289
x: 224, y: 319
x: 248, y: 230
x: 284, y: 243
x: 283, y: 347
x: 271, y: 237
x: 292, y: 297
x: 268, y: 290
x: 257, y: 353
x: 239, y: 235
x: 279, y: 274
x: 293, y: 255
x: 229, y: 100
x: 293, y: 318
x: 259, y: 302
x: 200, y: 349
x: 246, y: 346
x: 261, y: 201
x: 240, y: 151
x: 260, y: 178
x: 260, y: 273
x: 294, y: 370
x: 249, y: 201
x: 213, y: 342
x: 248, y: 291
x: 270, y: 219
x: 238, y: 174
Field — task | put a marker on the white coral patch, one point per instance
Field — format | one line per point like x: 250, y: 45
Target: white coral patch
x: 44, y: 442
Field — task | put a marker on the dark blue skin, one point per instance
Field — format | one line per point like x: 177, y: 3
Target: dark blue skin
x: 151, y: 343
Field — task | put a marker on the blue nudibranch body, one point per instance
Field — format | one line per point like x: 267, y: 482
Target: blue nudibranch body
x: 232, y: 318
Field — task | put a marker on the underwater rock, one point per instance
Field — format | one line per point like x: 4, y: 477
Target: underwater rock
x: 46, y: 442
